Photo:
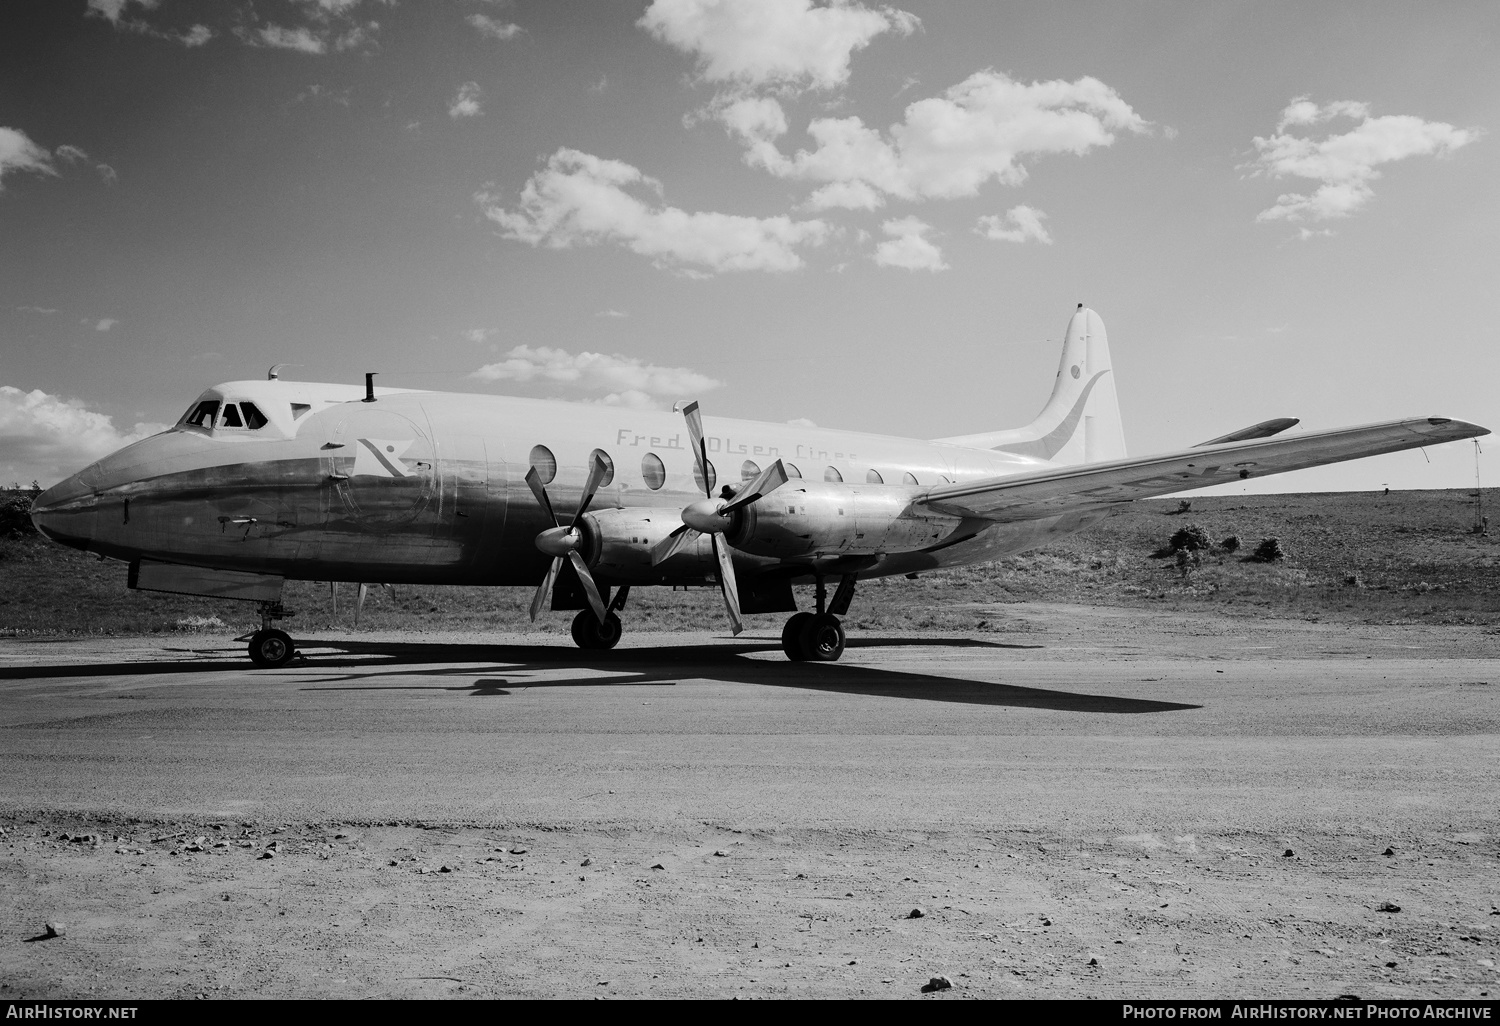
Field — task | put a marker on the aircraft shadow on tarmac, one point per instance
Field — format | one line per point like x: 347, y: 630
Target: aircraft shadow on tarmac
x: 720, y: 662
x: 381, y: 666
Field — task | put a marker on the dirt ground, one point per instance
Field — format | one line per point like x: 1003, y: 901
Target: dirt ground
x: 1124, y: 805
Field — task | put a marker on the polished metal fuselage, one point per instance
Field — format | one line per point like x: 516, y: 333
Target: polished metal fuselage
x: 428, y: 487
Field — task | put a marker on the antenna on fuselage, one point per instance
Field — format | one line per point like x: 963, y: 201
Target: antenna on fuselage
x: 275, y: 371
x: 369, y: 387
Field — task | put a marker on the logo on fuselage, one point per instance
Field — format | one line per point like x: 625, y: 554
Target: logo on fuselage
x: 380, y: 457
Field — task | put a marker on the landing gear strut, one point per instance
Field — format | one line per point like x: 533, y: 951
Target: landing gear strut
x: 819, y: 636
x: 270, y: 647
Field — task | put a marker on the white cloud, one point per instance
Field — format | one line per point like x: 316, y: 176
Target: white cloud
x: 196, y: 36
x: 493, y: 29
x: 801, y: 422
x: 465, y: 102
x: 627, y: 380
x: 907, y: 248
x: 1019, y: 224
x: 106, y: 323
x: 113, y: 10
x: 478, y: 334
x: 1344, y: 164
x: 70, y: 154
x: 38, y: 309
x: 582, y: 199
x: 19, y: 153
x: 611, y: 313
x: 46, y: 438
x: 946, y: 146
x: 772, y: 42
x: 300, y: 39
x: 107, y: 174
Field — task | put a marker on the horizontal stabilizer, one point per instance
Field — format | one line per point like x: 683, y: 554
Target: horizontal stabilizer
x: 1037, y: 494
x: 1265, y: 429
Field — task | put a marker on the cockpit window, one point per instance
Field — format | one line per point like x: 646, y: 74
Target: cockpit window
x: 253, y: 417
x: 231, y: 416
x: 203, y: 415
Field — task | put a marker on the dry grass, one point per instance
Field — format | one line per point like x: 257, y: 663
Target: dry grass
x: 1406, y: 557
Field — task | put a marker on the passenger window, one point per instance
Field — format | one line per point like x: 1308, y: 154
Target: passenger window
x: 298, y: 409
x: 653, y: 471
x: 832, y: 474
x: 231, y: 416
x: 544, y: 463
x: 749, y: 471
x: 872, y: 476
x: 203, y: 416
x: 713, y: 476
x: 791, y: 469
x: 909, y: 478
x: 609, y: 466
x: 254, y: 419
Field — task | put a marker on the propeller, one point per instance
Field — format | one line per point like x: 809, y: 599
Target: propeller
x: 561, y: 543
x: 713, y: 516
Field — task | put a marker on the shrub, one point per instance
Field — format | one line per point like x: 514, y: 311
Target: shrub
x: 1190, y: 537
x: 1268, y: 551
x: 15, y: 518
x: 1230, y: 544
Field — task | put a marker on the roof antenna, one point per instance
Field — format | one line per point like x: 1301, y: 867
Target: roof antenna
x: 369, y: 387
x: 275, y: 371
x: 1080, y: 306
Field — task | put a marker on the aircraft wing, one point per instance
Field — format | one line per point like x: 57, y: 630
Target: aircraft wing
x: 1036, y: 494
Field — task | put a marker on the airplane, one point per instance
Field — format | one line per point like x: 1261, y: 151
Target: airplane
x: 262, y: 482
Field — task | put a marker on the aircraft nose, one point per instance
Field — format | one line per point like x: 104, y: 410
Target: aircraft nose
x: 65, y: 512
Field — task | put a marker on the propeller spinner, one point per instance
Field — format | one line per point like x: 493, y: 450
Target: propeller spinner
x: 713, y: 516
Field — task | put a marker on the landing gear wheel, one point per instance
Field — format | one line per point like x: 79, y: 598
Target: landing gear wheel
x: 791, y: 636
x: 589, y: 633
x: 822, y: 638
x: 271, y: 648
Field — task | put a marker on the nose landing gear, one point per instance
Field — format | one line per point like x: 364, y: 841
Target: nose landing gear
x: 269, y: 647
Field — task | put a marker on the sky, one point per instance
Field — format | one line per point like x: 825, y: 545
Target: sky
x: 861, y: 216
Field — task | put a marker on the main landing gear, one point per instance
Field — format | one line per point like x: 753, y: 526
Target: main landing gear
x: 589, y: 633
x: 819, y: 637
x: 270, y: 647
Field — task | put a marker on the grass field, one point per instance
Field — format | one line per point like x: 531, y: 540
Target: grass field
x: 1399, y: 558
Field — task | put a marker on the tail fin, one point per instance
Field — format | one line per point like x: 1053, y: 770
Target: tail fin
x: 1081, y: 422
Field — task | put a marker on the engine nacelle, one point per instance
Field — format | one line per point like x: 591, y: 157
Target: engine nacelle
x: 617, y: 544
x: 804, y: 518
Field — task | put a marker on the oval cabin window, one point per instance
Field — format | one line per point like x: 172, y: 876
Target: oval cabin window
x: 713, y: 476
x: 653, y: 471
x: 872, y: 476
x: 749, y: 471
x: 609, y: 466
x: 909, y: 478
x: 791, y: 469
x: 544, y: 463
x: 832, y: 474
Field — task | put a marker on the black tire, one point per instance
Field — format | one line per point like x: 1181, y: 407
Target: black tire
x: 590, y: 634
x: 271, y: 648
x: 791, y: 636
x: 822, y: 638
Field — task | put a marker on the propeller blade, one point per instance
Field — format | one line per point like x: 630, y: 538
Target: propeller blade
x: 544, y: 590
x: 589, y: 587
x: 673, y: 544
x: 597, y: 470
x: 700, y: 452
x: 770, y: 479
x: 727, y: 584
x: 535, y: 481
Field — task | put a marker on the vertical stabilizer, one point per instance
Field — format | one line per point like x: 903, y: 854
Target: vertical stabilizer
x: 1081, y: 421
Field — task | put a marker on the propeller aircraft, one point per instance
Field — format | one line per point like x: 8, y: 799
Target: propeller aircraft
x: 262, y: 482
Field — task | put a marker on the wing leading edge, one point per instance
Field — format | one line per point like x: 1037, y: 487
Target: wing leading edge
x: 1037, y: 494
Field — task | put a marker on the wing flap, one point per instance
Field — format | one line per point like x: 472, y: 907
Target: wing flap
x: 1037, y: 494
